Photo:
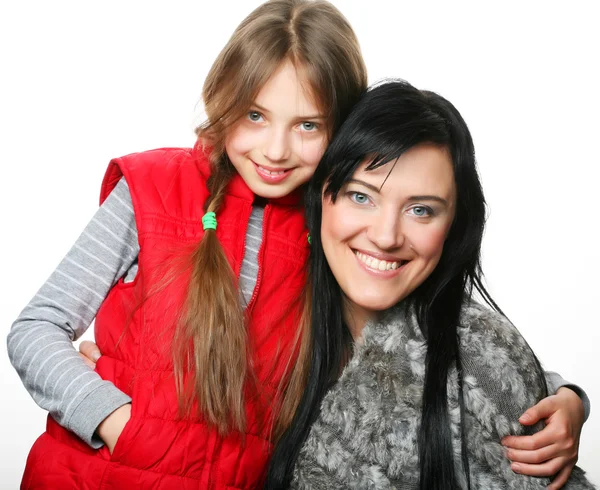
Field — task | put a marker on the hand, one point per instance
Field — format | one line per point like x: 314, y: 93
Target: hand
x: 90, y: 353
x: 553, y: 450
x: 112, y: 426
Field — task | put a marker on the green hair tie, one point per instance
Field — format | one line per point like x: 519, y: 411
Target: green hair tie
x: 309, y: 238
x: 209, y: 221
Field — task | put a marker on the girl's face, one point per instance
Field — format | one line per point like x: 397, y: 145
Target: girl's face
x: 278, y: 144
x: 385, y: 233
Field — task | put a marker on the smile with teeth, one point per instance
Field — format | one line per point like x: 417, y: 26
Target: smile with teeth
x: 378, y: 264
x: 270, y: 172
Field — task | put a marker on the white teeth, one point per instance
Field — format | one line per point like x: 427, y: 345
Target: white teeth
x: 270, y: 172
x: 377, y: 264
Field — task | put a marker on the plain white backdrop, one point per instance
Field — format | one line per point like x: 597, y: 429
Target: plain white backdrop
x: 83, y: 82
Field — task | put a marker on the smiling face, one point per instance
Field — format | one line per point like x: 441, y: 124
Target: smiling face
x: 277, y: 145
x: 385, y: 233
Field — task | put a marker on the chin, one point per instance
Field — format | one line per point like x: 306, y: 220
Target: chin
x: 377, y: 306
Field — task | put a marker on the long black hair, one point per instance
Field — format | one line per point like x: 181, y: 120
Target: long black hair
x: 391, y: 118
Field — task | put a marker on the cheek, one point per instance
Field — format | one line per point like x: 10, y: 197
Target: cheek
x: 339, y: 223
x: 429, y: 242
x: 331, y: 231
x: 311, y: 150
x: 239, y: 141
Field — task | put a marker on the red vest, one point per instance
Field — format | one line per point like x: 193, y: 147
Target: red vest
x: 157, y: 450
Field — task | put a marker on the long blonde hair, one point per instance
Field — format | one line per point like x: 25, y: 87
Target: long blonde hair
x: 211, y: 339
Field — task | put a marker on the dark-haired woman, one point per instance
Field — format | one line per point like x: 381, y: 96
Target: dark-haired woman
x: 412, y: 384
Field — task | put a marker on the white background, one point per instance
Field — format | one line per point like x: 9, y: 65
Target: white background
x: 82, y: 82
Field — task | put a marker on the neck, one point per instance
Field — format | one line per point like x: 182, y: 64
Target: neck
x: 356, y: 318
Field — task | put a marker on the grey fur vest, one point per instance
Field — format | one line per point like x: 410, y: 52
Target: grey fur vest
x: 366, y: 434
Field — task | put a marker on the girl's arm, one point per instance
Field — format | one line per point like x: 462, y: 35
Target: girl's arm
x: 555, y: 382
x: 512, y: 380
x: 40, y: 341
x: 555, y: 449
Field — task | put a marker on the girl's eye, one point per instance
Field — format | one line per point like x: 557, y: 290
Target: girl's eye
x: 255, y: 116
x: 421, y: 211
x: 358, y: 197
x: 309, y: 126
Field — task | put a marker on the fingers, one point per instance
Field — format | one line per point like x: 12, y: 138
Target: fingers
x: 561, y: 478
x: 90, y: 351
x: 542, y: 410
x: 549, y: 468
x: 533, y: 457
x: 530, y: 443
x: 89, y: 363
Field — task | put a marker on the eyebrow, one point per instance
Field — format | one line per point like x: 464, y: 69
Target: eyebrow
x: 264, y: 109
x: 423, y: 197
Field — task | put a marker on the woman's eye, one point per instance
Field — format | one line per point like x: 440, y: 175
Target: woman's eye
x: 309, y: 126
x: 359, y: 198
x: 254, y: 116
x: 421, y: 211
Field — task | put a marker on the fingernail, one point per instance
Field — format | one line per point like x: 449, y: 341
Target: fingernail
x: 525, y: 418
x: 96, y: 355
x: 516, y: 467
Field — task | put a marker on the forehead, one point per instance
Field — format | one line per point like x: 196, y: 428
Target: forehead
x: 425, y: 169
x: 288, y: 91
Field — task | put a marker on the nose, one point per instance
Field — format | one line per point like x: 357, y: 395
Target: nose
x: 277, y: 145
x: 385, y: 230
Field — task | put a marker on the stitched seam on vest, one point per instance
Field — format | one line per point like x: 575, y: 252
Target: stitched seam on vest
x: 171, y: 236
x: 145, y: 416
x: 181, y: 221
x: 154, y: 472
x: 291, y: 258
x: 134, y: 468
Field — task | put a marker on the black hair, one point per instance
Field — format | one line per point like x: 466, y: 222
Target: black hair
x: 391, y: 118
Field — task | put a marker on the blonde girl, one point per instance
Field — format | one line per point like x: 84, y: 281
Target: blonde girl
x: 193, y: 269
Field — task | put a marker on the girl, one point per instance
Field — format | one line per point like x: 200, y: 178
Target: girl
x: 428, y: 381
x: 186, y: 393
x: 279, y: 89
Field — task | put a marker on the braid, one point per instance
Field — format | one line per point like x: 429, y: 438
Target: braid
x: 211, y: 339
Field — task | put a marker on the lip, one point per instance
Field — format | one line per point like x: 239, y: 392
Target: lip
x: 264, y: 172
x: 379, y: 255
x: 386, y: 274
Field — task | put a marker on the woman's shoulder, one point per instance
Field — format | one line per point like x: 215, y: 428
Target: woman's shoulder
x: 499, y: 367
x: 482, y: 324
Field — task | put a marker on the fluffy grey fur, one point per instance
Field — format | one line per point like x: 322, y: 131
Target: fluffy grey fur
x: 366, y: 434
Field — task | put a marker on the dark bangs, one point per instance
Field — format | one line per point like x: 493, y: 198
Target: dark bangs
x: 380, y: 129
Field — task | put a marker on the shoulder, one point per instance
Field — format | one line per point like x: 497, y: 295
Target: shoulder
x: 501, y: 371
x: 158, y: 162
x: 480, y: 325
x: 157, y: 167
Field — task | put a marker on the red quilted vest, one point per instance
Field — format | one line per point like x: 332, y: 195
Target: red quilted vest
x: 157, y: 450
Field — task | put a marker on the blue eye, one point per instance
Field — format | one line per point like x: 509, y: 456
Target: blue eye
x: 254, y: 116
x: 309, y: 126
x: 422, y: 211
x: 358, y: 197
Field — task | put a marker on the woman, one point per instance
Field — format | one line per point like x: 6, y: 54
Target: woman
x: 411, y: 384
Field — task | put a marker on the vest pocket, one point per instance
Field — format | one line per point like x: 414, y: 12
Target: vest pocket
x: 124, y: 440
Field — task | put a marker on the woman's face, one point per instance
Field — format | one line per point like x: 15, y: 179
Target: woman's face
x: 385, y: 233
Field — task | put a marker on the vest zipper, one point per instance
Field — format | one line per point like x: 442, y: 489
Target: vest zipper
x: 266, y: 215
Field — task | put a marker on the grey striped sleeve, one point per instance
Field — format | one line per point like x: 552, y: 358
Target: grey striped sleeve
x: 556, y: 381
x: 40, y: 341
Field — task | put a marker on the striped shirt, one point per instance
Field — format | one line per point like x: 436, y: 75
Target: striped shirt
x: 40, y: 343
